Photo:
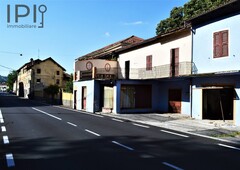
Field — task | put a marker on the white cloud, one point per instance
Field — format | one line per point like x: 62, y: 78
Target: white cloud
x: 134, y: 23
x: 107, y: 34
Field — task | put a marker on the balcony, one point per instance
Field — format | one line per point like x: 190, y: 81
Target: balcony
x: 163, y: 71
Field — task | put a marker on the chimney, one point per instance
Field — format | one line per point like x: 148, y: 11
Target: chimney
x: 32, y: 61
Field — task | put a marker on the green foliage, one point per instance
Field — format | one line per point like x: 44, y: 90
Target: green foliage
x: 191, y: 9
x: 52, y: 90
x: 11, y: 78
x: 69, y: 85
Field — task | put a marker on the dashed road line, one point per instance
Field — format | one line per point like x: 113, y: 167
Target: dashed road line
x: 1, y: 120
x: 228, y: 146
x: 117, y: 120
x: 143, y: 126
x: 173, y: 133
x: 124, y: 146
x: 3, y: 129
x: 72, y: 124
x: 1, y: 116
x: 172, y: 166
x: 5, y: 140
x: 47, y: 113
x: 94, y: 133
x: 10, y: 160
x: 96, y: 115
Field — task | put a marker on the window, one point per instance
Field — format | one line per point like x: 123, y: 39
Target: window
x: 38, y: 71
x: 220, y: 43
x: 149, y: 62
x: 38, y: 80
x: 58, y: 73
x: 57, y: 81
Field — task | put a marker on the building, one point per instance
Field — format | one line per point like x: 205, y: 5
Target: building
x: 38, y: 74
x: 153, y: 75
x: 216, y: 55
x: 95, y: 76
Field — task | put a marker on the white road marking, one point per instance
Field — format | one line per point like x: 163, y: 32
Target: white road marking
x: 96, y: 115
x: 47, y: 113
x: 10, y: 160
x: 72, y: 124
x: 124, y: 146
x: 3, y: 129
x: 172, y: 166
x: 228, y: 146
x: 173, y: 133
x: 94, y: 133
x: 1, y: 121
x: 1, y: 116
x: 117, y: 120
x: 141, y: 125
x: 5, y: 140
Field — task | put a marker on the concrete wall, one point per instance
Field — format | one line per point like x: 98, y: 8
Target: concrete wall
x: 67, y: 99
x: 90, y: 94
x: 203, y: 46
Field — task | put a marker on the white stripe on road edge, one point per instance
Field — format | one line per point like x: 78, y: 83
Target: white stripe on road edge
x: 1, y: 116
x: 3, y: 129
x: 5, y: 140
x: 124, y: 146
x: 172, y: 166
x: 96, y: 115
x: 71, y: 124
x: 117, y: 120
x: 94, y: 133
x: 141, y: 125
x: 227, y: 146
x: 46, y: 113
x: 173, y: 133
x: 10, y: 160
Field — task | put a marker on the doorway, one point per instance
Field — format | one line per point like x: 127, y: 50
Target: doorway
x: 84, y: 97
x: 21, y: 90
x: 218, y: 104
x: 75, y: 99
x: 174, y: 100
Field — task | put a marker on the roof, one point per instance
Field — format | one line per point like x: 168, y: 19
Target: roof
x: 108, y: 50
x: 32, y: 63
x: 228, y: 9
x: 155, y: 39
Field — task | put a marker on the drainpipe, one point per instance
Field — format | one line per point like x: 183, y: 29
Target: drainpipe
x: 191, y: 94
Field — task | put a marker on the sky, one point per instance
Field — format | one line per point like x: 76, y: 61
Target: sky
x: 72, y: 28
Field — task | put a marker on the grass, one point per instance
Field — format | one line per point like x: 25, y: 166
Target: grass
x: 224, y: 135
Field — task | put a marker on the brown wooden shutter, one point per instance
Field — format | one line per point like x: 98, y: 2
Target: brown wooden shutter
x: 149, y: 62
x: 224, y: 43
x: 217, y: 45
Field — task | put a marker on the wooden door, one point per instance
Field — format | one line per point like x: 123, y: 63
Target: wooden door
x: 174, y: 62
x: 174, y: 100
x: 75, y: 99
x: 84, y: 98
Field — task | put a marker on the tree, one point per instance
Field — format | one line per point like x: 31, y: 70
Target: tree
x: 11, y: 78
x: 190, y: 9
x: 69, y: 85
x: 52, y: 90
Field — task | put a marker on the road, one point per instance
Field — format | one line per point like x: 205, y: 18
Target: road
x: 36, y: 136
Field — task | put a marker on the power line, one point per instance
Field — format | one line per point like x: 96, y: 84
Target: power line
x: 8, y: 52
x: 7, y: 67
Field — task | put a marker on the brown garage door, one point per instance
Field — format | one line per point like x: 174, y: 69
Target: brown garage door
x: 174, y: 100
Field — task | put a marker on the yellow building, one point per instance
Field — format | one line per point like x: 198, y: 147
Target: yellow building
x: 38, y: 74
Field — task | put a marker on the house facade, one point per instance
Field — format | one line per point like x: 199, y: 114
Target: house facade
x: 95, y: 77
x: 153, y: 76
x: 216, y: 55
x: 38, y: 74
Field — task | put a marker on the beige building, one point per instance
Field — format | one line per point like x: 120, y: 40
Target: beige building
x: 38, y: 74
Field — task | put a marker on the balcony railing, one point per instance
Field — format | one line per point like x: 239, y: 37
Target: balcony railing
x: 163, y: 71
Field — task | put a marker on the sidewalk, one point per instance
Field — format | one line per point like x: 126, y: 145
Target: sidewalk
x: 184, y: 123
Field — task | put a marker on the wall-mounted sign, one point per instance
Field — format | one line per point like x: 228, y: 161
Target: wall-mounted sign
x: 107, y: 67
x: 89, y: 65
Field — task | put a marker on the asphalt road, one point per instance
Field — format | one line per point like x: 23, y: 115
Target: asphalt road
x: 41, y: 137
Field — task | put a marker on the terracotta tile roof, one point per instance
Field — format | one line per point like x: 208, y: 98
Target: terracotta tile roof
x: 108, y: 50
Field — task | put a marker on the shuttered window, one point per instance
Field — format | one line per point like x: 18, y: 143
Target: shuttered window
x: 220, y: 44
x: 149, y: 62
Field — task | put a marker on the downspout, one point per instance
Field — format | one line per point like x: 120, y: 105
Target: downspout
x: 191, y: 90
